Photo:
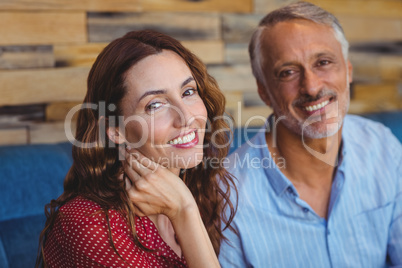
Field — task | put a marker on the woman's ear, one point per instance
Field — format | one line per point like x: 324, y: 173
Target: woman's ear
x: 114, y: 134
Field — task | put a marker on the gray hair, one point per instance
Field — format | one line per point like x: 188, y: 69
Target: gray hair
x: 299, y: 10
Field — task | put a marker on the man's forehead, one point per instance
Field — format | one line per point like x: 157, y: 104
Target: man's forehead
x: 296, y: 34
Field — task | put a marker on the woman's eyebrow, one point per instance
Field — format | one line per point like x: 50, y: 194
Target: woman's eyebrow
x: 188, y: 80
x: 163, y: 91
x: 153, y: 92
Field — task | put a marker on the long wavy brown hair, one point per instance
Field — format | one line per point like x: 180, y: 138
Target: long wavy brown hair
x: 96, y: 167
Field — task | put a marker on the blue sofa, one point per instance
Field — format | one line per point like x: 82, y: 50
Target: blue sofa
x: 32, y: 175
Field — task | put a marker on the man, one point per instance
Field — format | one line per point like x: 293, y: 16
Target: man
x: 328, y: 191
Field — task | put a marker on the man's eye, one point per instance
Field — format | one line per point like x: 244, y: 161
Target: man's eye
x: 153, y: 106
x: 323, y: 62
x: 286, y: 73
x: 189, y: 92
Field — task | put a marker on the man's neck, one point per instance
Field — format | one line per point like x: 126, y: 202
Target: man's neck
x: 309, y: 164
x: 306, y: 159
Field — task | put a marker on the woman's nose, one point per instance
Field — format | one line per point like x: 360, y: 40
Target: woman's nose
x: 183, y: 115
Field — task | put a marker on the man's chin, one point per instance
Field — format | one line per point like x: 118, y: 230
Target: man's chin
x: 322, y: 132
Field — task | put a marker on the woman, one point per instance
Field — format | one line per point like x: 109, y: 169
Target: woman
x: 140, y: 192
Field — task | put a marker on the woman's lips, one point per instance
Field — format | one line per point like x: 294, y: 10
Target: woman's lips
x: 186, y: 141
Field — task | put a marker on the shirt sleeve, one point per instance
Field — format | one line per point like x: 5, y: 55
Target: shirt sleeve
x: 231, y: 251
x: 395, y: 233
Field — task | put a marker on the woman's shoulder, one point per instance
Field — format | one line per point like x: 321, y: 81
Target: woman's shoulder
x: 80, y: 203
x: 83, y: 212
x: 79, y: 208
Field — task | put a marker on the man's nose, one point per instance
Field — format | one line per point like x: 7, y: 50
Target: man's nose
x: 311, y: 83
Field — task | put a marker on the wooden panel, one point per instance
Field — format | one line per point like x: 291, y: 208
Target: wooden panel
x: 43, y: 85
x: 358, y: 29
x: 129, y: 5
x: 84, y: 5
x: 373, y: 67
x: 240, y: 6
x: 370, y: 8
x: 22, y: 57
x: 49, y: 132
x: 365, y: 67
x: 237, y: 53
x: 13, y: 116
x: 13, y: 136
x: 105, y: 27
x: 234, y: 100
x: 391, y: 67
x: 234, y: 78
x: 376, y: 98
x: 210, y: 52
x: 58, y: 111
x: 77, y: 55
x: 35, y: 28
x: 239, y: 28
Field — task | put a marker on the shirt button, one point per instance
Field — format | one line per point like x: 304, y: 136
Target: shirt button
x: 290, y: 190
x: 305, y: 210
x: 328, y: 232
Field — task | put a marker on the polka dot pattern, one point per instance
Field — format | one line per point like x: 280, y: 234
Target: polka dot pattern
x: 79, y: 238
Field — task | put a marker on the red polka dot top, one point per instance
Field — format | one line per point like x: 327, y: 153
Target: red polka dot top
x: 79, y: 238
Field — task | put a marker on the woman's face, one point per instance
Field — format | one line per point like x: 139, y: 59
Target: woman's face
x: 165, y: 118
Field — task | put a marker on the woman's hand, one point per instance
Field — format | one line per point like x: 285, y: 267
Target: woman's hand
x: 154, y: 189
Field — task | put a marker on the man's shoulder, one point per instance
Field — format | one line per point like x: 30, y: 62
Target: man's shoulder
x: 358, y: 129
x: 369, y: 137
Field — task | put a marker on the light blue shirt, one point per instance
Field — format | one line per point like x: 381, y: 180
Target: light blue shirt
x: 278, y: 229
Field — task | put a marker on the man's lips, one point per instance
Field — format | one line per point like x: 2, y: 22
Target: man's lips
x: 316, y: 105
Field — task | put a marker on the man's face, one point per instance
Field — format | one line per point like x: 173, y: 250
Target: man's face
x: 306, y: 77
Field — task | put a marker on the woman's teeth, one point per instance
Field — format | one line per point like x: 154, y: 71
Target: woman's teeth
x: 316, y: 107
x: 185, y: 139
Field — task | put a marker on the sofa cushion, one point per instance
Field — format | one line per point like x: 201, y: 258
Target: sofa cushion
x: 30, y: 176
x: 21, y: 239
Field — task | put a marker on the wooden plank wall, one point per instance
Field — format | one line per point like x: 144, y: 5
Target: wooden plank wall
x: 47, y: 48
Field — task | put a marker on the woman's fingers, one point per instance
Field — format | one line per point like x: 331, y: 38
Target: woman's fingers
x: 139, y: 163
x: 132, y: 175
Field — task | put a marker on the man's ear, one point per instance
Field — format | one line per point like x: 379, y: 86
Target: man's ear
x: 113, y: 133
x: 350, y: 71
x: 262, y: 91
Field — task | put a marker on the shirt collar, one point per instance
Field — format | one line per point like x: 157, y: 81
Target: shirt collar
x: 278, y: 181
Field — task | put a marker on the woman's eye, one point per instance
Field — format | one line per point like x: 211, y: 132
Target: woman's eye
x: 189, y: 92
x: 153, y: 106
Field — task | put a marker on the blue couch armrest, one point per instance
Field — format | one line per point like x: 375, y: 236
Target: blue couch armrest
x: 30, y: 176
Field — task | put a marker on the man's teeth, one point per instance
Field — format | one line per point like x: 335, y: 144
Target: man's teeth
x: 316, y: 107
x: 185, y: 139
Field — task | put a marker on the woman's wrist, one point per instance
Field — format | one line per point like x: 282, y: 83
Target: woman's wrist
x: 184, y: 212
